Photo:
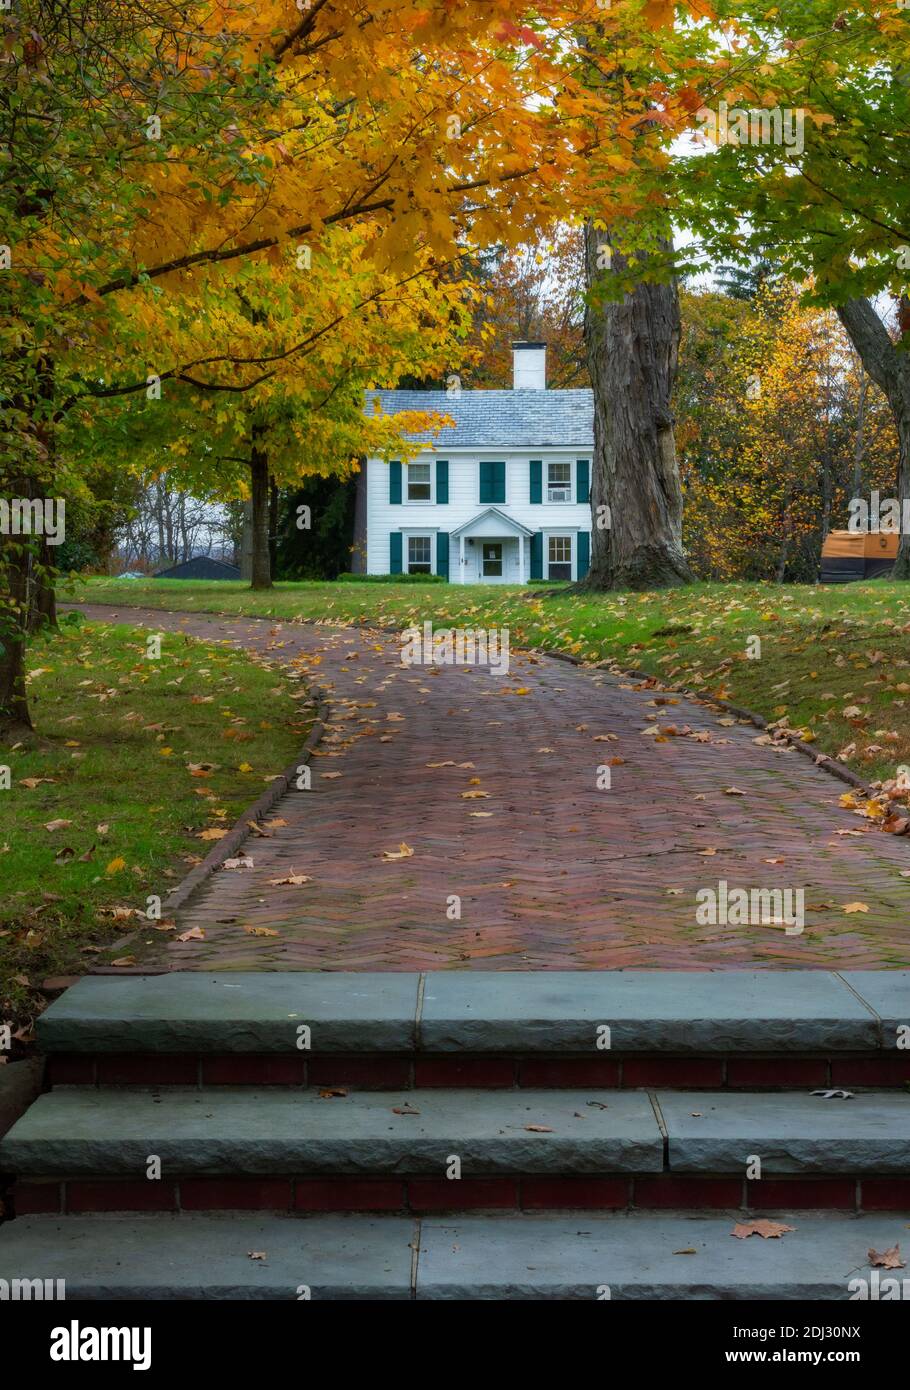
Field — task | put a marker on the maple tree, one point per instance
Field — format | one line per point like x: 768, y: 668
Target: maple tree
x: 778, y: 420
x: 145, y: 147
x: 831, y: 204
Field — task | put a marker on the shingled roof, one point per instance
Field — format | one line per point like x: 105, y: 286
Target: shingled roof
x: 500, y: 419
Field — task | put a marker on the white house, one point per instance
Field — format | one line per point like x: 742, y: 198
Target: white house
x: 501, y: 498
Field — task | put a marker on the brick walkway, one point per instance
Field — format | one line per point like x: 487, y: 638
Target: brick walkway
x: 552, y: 873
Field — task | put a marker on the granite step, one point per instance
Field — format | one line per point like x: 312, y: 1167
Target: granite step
x: 78, y: 1131
x: 444, y: 1012
x: 711, y: 1132
x: 585, y: 1257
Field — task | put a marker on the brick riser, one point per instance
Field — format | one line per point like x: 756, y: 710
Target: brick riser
x: 383, y: 1072
x: 655, y: 1192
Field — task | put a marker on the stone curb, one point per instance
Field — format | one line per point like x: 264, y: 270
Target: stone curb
x: 224, y: 849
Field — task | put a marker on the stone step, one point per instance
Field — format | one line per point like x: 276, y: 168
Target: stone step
x: 77, y: 1131
x: 588, y: 1256
x: 500, y: 1012
x: 711, y: 1132
x: 74, y: 1131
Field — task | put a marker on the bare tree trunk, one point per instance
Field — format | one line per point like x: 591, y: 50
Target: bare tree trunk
x: 261, y: 575
x: 889, y: 368
x: 632, y: 346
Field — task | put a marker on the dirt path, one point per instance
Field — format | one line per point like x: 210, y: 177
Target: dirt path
x: 551, y: 871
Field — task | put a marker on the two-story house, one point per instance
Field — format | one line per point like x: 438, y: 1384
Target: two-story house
x: 501, y: 498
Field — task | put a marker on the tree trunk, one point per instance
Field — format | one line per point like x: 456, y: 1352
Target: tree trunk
x: 359, y: 544
x: 632, y: 347
x: 273, y: 526
x: 859, y: 443
x: 261, y: 573
x: 14, y: 572
x: 889, y: 368
x: 42, y: 612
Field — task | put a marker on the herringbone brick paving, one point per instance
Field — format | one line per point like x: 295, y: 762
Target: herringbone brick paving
x: 551, y: 872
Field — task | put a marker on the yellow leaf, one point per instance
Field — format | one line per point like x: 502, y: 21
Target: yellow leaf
x: 115, y: 866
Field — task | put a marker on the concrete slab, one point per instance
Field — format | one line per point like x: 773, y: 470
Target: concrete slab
x: 78, y: 1130
x: 188, y: 1257
x: 887, y: 992
x: 229, y: 1011
x: 715, y: 1132
x: 646, y: 1257
x: 646, y: 1011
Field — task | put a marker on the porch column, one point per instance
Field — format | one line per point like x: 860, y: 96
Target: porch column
x: 461, y: 567
x: 521, y: 559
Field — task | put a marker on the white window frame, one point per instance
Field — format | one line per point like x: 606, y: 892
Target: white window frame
x: 419, y: 501
x: 430, y: 538
x: 571, y: 537
x: 561, y: 501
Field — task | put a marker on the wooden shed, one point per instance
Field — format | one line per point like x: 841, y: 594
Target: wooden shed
x: 849, y: 555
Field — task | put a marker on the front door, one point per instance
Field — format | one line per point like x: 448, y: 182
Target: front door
x: 491, y: 560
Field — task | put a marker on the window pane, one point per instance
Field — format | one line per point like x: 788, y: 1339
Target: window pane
x: 559, y: 557
x: 492, y: 559
x: 559, y: 482
x: 419, y: 482
x: 419, y: 552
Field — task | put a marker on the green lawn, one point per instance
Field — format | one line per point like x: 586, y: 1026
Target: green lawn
x: 824, y: 651
x: 136, y: 758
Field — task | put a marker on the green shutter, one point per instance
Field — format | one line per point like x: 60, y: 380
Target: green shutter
x: 395, y: 487
x: 536, y: 480
x: 537, y: 555
x: 492, y: 482
x: 442, y: 481
x: 584, y: 554
x: 395, y: 552
x: 582, y: 481
x: 442, y: 553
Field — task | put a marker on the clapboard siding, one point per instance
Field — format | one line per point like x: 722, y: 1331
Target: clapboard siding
x: 384, y: 517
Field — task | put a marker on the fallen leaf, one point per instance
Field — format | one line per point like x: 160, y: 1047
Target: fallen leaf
x: 115, y: 866
x: 768, y: 1230
x: 889, y: 1259
x: 211, y: 835
x: 856, y: 907
x: 402, y: 852
x: 257, y: 931
x: 539, y: 1129
x: 194, y: 934
x: 53, y: 825
x: 243, y: 861
x: 294, y: 879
